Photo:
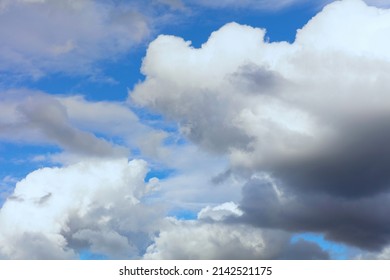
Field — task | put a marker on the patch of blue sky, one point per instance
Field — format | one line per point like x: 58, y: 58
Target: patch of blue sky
x: 336, y: 250
x: 135, y: 152
x: 110, y: 81
x: 146, y: 114
x: 183, y: 214
x: 89, y: 255
x: 160, y: 173
x: 281, y: 25
x: 153, y: 119
x: 116, y: 140
x: 175, y: 140
x: 19, y: 159
x: 5, y: 192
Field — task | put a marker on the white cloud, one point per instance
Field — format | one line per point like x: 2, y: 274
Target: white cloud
x: 41, y: 37
x: 93, y: 205
x: 193, y: 240
x: 209, y: 238
x: 270, y: 101
x: 220, y: 212
x: 202, y: 240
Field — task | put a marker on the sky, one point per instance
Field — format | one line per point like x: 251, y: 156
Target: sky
x: 192, y: 129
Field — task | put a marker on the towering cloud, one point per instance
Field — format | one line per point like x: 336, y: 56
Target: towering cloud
x: 305, y: 123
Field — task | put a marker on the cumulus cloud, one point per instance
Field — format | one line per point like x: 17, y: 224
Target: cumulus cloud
x: 310, y: 118
x: 94, y: 205
x: 210, y: 238
x: 41, y: 37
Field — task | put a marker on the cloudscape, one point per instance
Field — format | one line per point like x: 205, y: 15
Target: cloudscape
x: 180, y: 129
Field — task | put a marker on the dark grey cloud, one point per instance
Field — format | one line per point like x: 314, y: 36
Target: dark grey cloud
x: 355, y: 164
x: 362, y: 222
x: 44, y: 199
x: 253, y: 79
x: 50, y: 117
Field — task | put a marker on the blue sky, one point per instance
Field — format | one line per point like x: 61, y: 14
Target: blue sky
x: 253, y: 129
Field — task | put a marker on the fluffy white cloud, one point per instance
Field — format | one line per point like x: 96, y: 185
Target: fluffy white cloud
x: 194, y: 240
x: 272, y: 101
x: 92, y: 205
x: 220, y: 212
x: 66, y: 35
x: 210, y: 238
x: 308, y: 118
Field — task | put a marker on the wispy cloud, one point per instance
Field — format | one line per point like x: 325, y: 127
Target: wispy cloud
x: 41, y: 37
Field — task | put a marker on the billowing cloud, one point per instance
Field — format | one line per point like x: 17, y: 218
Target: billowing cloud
x: 210, y: 238
x: 305, y: 123
x: 94, y: 205
x: 65, y: 36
